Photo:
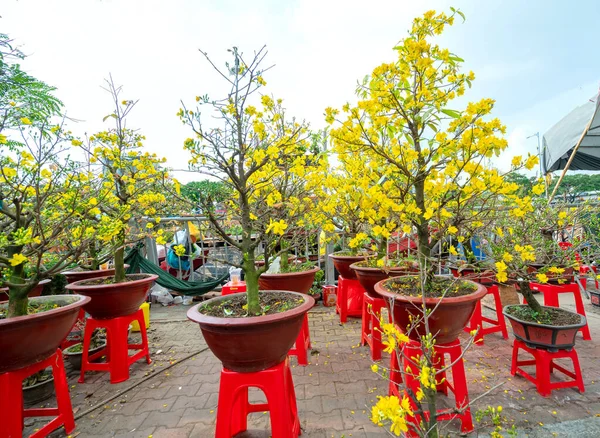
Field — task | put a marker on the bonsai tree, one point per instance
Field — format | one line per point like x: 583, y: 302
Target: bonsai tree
x: 44, y: 196
x: 133, y: 182
x: 434, y: 157
x: 257, y: 151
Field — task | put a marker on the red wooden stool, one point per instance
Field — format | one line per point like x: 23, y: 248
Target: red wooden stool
x: 551, y: 292
x: 117, y: 348
x: 371, y: 328
x: 11, y: 400
x: 276, y: 382
x: 349, y: 289
x: 477, y: 320
x: 302, y: 343
x: 544, y: 366
x: 412, y: 351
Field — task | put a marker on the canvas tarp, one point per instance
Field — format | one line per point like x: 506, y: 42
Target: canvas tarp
x: 558, y: 143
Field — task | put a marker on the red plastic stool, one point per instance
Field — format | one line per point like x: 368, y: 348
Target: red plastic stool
x: 117, y: 348
x: 276, y: 382
x: 477, y: 320
x: 66, y: 343
x: 412, y: 351
x: 347, y: 289
x: 544, y: 366
x: 551, y: 292
x: 302, y: 343
x: 371, y: 328
x: 229, y: 288
x: 11, y: 400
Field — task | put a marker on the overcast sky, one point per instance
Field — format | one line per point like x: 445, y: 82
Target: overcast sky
x: 537, y: 59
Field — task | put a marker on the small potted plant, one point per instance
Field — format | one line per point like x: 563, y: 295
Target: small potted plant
x: 250, y: 331
x: 133, y: 182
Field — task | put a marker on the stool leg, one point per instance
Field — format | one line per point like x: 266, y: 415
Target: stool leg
x: 239, y: 419
x: 88, y: 331
x: 11, y: 405
x: 477, y: 323
x: 585, y: 330
x: 61, y: 387
x: 577, y: 372
x: 365, y: 323
x: 300, y: 348
x: 343, y: 301
x: 224, y: 409
x: 461, y: 392
x: 142, y: 323
x: 292, y: 401
x: 376, y: 344
x: 279, y: 406
x: 499, y: 314
x: 307, y: 330
x: 515, y: 357
x: 118, y: 345
x: 542, y: 373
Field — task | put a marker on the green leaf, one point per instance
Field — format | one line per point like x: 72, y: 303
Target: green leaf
x: 451, y: 113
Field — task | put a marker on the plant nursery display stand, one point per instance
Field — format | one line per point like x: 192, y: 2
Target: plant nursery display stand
x: 371, y: 328
x: 551, y: 292
x: 458, y: 385
x: 234, y: 407
x: 544, y: 366
x: 117, y: 349
x: 11, y: 400
x: 302, y: 344
x: 495, y: 325
x: 349, y: 298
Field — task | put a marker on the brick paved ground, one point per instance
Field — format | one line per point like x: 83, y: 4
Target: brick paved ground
x: 334, y: 392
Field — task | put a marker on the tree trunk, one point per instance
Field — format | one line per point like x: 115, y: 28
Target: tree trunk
x: 432, y: 424
x: 120, y: 265
x: 528, y: 294
x: 251, y: 278
x: 17, y: 302
x: 468, y: 248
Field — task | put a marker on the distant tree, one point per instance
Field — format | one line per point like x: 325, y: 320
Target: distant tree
x: 571, y: 186
x: 205, y: 192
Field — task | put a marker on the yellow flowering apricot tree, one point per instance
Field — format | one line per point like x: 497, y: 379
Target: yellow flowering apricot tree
x: 262, y: 156
x: 133, y: 181
x: 435, y: 156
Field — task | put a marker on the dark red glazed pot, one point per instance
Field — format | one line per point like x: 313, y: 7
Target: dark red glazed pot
x: 35, y: 292
x: 446, y: 323
x: 342, y: 264
x: 544, y: 336
x: 487, y: 277
x: 73, y: 276
x: 368, y: 276
x: 114, y: 299
x: 25, y: 340
x: 291, y: 281
x: 251, y: 344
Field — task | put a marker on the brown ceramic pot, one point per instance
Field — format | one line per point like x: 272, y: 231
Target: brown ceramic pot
x: 25, y: 340
x: 73, y: 276
x: 35, y: 292
x: 342, y: 264
x: 254, y: 343
x: 565, y: 277
x: 544, y: 336
x: 451, y: 315
x: 291, y: 281
x: 114, y: 299
x: 368, y: 276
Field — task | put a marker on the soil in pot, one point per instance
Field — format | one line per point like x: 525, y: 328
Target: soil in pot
x: 369, y: 274
x: 38, y: 387
x: 450, y: 301
x: 271, y: 303
x: 550, y: 316
x: 297, y: 278
x: 251, y: 343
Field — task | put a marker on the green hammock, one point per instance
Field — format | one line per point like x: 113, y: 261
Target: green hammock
x: 138, y: 263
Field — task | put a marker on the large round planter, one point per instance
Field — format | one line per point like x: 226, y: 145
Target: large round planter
x: 543, y: 336
x: 565, y: 277
x: 342, y: 264
x: 482, y: 277
x: 35, y: 394
x: 25, y: 340
x: 368, y: 276
x: 35, y: 292
x: 74, y: 358
x: 255, y: 343
x: 446, y: 322
x: 73, y: 276
x: 114, y: 299
x: 292, y: 281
